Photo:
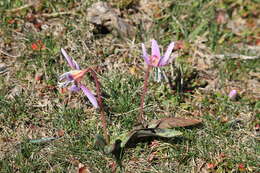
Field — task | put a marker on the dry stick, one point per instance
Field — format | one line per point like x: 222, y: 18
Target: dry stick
x: 146, y: 78
x: 102, y: 113
x: 58, y: 14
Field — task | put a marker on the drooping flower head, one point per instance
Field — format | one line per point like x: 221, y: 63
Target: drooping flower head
x: 74, y: 78
x: 155, y: 59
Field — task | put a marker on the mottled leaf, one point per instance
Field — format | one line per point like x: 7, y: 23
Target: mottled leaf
x: 172, y: 122
x: 135, y: 136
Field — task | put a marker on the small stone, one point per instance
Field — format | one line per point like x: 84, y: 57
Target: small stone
x: 3, y: 68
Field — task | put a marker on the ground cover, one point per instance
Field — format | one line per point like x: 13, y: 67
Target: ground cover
x: 218, y: 51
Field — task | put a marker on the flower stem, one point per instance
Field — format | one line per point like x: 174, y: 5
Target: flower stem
x: 146, y: 78
x: 102, y: 113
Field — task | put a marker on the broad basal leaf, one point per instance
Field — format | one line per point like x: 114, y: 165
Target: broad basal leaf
x: 135, y: 136
x: 172, y: 122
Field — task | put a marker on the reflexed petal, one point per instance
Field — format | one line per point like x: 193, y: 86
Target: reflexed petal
x: 155, y: 49
x: 71, y: 61
x: 77, y: 75
x: 165, y: 58
x: 90, y: 96
x: 145, y: 55
x: 68, y: 58
x: 68, y: 76
x: 76, y: 64
x: 74, y: 88
x: 64, y: 84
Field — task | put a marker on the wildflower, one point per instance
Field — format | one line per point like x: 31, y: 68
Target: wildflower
x: 38, y: 45
x: 155, y: 58
x: 74, y: 78
x: 233, y: 95
x: 34, y: 46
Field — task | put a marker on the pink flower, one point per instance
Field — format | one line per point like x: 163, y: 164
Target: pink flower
x: 233, y: 95
x: 155, y: 59
x: 74, y: 78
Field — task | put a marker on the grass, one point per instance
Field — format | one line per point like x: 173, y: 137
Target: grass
x: 228, y: 141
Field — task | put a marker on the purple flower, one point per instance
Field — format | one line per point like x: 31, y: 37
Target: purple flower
x: 74, y: 78
x: 155, y: 59
x: 233, y: 95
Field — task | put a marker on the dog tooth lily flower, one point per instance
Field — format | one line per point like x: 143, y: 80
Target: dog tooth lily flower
x: 74, y: 78
x: 155, y: 59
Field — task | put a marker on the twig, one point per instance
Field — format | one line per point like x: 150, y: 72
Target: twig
x: 7, y: 54
x: 146, y: 78
x: 58, y: 14
x: 102, y: 113
x: 233, y: 56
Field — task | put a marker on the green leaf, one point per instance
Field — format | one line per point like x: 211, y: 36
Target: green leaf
x: 135, y: 136
x: 172, y: 122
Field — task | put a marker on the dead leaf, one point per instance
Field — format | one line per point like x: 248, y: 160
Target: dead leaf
x: 222, y: 17
x: 112, y: 166
x: 152, y: 156
x: 172, y: 122
x: 83, y: 169
x: 224, y: 119
x: 257, y: 42
x: 15, y: 92
x: 153, y: 8
x: 38, y: 76
x: 60, y: 132
x: 211, y: 166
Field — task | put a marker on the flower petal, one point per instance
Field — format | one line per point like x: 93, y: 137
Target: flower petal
x: 64, y: 84
x: 74, y: 88
x: 145, y: 55
x: 71, y: 61
x: 155, y: 49
x: 76, y: 65
x: 90, y: 96
x: 68, y: 76
x: 233, y: 95
x: 165, y: 58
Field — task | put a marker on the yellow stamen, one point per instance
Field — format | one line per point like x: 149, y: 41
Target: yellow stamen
x: 154, y: 60
x: 78, y: 74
